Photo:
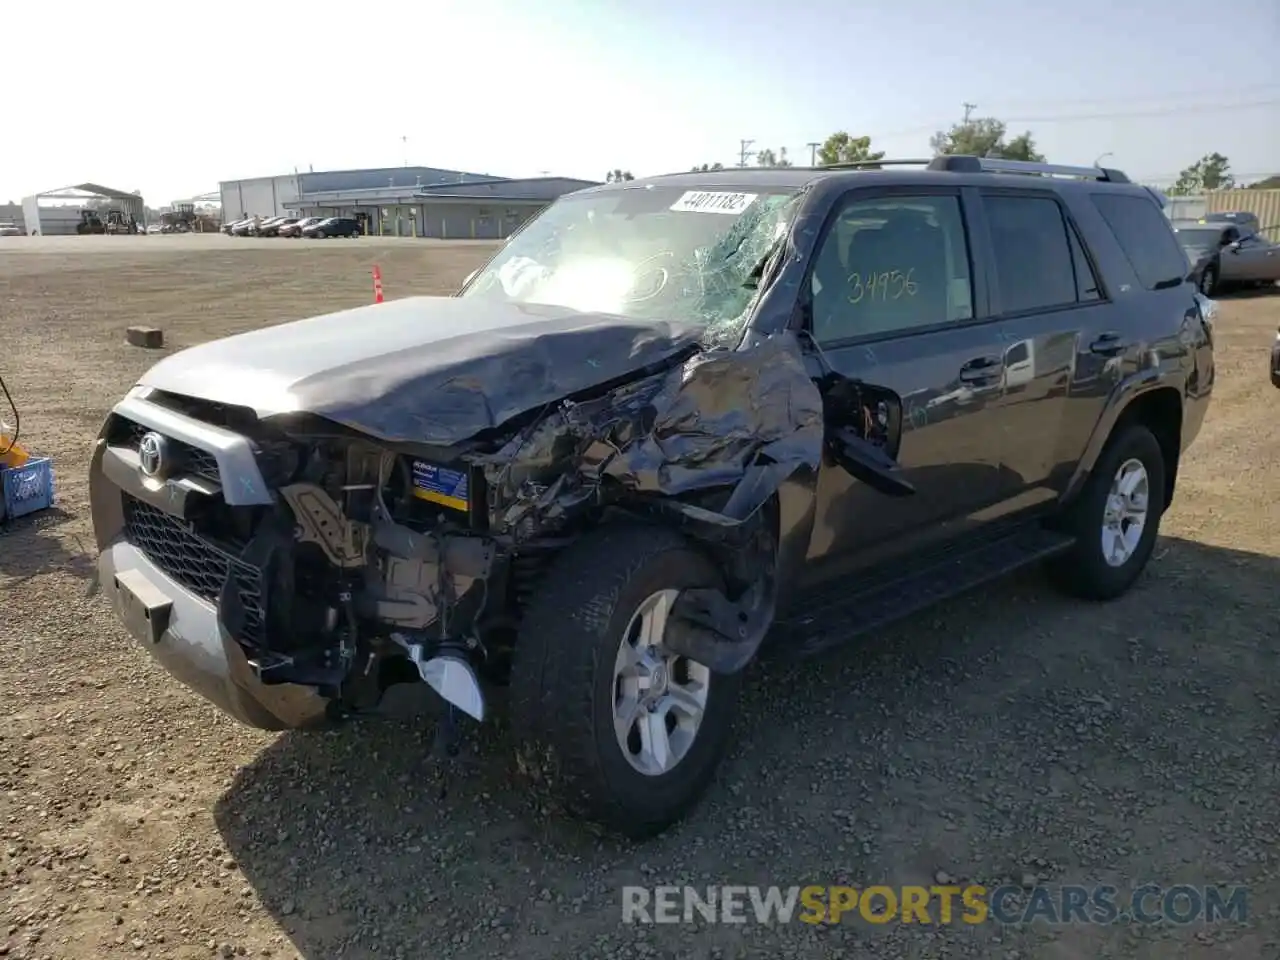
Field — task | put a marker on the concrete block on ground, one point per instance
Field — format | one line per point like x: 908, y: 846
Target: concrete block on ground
x: 152, y: 338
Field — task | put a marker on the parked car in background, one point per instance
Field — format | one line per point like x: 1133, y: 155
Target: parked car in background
x: 1246, y: 221
x: 272, y: 228
x: 1222, y: 254
x: 10, y: 229
x: 155, y: 228
x: 269, y: 224
x: 295, y: 229
x: 333, y: 227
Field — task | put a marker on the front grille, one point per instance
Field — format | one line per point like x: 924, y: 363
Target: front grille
x: 192, y: 460
x: 193, y: 561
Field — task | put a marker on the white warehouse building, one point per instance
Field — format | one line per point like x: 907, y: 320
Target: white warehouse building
x: 401, y: 201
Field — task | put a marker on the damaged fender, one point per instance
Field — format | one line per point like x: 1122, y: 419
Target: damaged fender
x: 707, y: 443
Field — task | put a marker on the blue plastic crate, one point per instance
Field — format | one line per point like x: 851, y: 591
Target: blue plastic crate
x: 27, y: 488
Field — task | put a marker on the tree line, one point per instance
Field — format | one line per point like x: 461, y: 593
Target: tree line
x: 982, y: 137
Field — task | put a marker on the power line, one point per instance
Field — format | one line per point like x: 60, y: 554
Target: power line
x: 1080, y: 117
x: 1166, y: 112
x: 1228, y: 92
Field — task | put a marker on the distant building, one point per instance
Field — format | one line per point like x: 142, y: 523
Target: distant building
x: 12, y: 212
x: 402, y: 201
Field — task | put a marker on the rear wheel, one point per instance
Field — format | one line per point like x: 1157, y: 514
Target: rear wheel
x: 617, y: 728
x: 1116, y: 519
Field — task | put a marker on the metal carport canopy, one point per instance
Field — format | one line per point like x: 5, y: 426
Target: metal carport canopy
x: 31, y: 206
x: 94, y: 189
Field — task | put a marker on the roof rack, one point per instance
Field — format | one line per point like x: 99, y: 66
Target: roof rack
x: 963, y: 163
x: 872, y: 164
x: 959, y: 163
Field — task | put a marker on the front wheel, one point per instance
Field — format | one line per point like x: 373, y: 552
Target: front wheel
x: 1209, y: 280
x: 617, y: 728
x: 1116, y: 518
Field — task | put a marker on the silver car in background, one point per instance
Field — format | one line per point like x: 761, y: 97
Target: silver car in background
x: 1228, y: 254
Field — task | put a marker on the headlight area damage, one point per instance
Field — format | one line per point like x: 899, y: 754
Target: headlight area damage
x: 416, y: 515
x: 377, y: 558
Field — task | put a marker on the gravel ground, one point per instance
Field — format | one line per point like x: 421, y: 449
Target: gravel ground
x: 1005, y: 737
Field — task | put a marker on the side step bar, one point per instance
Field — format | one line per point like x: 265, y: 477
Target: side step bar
x: 835, y: 615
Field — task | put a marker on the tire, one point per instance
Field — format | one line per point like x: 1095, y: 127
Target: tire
x: 1209, y: 280
x: 1085, y: 570
x: 563, y: 685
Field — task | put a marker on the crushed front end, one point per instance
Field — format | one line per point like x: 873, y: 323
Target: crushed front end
x: 289, y: 578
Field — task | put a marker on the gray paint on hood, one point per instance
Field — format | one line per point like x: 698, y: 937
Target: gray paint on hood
x: 434, y: 370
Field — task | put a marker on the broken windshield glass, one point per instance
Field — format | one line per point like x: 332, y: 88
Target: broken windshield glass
x: 661, y: 253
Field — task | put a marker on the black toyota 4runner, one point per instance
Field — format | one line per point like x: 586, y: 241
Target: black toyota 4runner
x: 596, y: 477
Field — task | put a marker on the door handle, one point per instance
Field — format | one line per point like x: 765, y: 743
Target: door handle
x: 981, y: 369
x: 1108, y: 345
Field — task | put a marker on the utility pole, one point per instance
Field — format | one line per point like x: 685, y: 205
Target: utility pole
x: 813, y: 146
x: 968, y: 109
x: 744, y: 151
x: 404, y: 142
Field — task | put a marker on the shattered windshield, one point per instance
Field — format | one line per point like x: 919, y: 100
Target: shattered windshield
x: 644, y: 252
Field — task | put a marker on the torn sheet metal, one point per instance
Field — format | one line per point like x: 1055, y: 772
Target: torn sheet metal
x: 747, y: 418
x: 737, y: 421
x: 434, y: 370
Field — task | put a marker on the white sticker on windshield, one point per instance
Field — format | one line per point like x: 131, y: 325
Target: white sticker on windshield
x: 713, y: 201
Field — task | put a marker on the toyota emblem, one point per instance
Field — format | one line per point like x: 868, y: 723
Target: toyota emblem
x: 152, y: 454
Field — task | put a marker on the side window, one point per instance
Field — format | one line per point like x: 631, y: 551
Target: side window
x: 1087, y: 287
x: 1145, y: 236
x: 1032, y: 253
x: 891, y: 264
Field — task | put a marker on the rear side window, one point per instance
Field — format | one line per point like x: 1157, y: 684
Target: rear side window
x: 1146, y: 238
x: 1032, y: 251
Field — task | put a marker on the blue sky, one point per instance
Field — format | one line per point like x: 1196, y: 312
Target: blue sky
x: 578, y: 87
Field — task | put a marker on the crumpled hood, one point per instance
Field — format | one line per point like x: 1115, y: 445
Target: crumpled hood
x: 434, y: 370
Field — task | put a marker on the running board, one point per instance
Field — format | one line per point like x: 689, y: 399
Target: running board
x: 832, y: 616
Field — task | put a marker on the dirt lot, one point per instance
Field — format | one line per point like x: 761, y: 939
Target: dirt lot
x: 1009, y: 734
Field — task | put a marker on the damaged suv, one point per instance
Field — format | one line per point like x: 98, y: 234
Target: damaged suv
x: 600, y: 474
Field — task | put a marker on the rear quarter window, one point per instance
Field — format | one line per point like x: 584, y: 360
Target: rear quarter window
x: 1145, y: 237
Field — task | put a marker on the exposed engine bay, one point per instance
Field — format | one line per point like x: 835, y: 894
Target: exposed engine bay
x: 381, y: 562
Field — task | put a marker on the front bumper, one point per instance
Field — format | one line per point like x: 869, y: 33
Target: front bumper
x: 178, y: 626
x: 183, y: 633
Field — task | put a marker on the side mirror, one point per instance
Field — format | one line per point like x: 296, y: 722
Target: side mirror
x: 868, y: 463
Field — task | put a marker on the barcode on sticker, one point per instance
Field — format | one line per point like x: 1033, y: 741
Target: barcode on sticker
x: 713, y: 201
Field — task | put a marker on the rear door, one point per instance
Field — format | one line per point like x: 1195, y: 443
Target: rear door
x: 1051, y: 308
x: 1257, y: 258
x: 896, y: 303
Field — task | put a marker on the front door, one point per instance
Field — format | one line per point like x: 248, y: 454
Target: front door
x: 895, y: 304
x: 1256, y: 258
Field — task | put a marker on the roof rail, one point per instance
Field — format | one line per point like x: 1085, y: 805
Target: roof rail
x: 871, y: 164
x: 960, y: 163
